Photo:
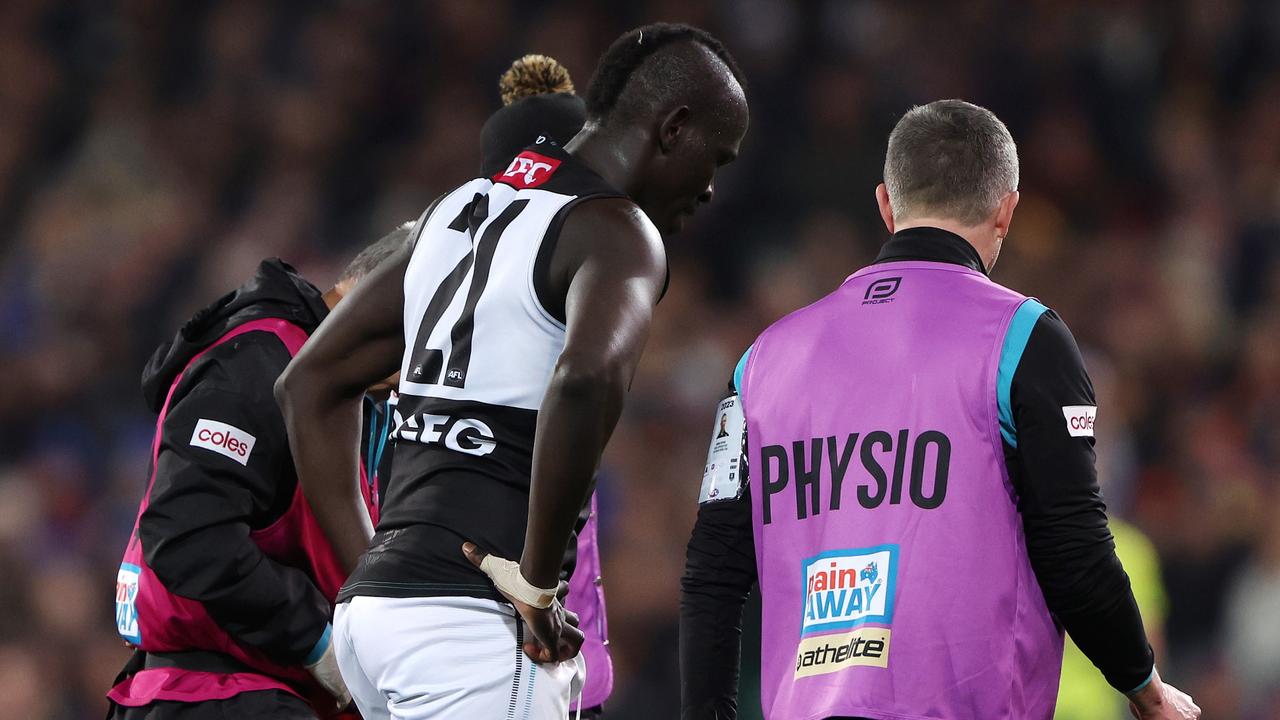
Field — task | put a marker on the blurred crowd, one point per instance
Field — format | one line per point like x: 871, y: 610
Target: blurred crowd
x: 152, y: 152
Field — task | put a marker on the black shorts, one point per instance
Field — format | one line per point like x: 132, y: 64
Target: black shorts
x: 256, y: 704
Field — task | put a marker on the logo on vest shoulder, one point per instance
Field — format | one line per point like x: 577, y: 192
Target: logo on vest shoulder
x: 1080, y: 419
x: 881, y: 291
x: 528, y: 169
x: 127, y: 603
x: 223, y: 439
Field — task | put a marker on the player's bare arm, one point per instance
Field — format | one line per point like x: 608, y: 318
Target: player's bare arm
x: 619, y: 276
x: 612, y: 261
x: 360, y: 343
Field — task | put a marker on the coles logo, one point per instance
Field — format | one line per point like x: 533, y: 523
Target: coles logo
x: 1080, y: 419
x: 528, y: 169
x: 223, y: 439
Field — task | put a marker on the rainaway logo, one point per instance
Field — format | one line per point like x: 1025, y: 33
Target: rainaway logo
x: 845, y: 588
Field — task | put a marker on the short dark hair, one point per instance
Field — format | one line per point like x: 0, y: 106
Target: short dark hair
x: 952, y: 159
x: 369, y: 258
x: 628, y: 53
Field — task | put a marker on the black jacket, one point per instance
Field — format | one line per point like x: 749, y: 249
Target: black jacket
x: 203, y: 505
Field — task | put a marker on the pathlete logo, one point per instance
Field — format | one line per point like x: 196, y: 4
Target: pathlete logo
x: 847, y: 588
x: 822, y: 654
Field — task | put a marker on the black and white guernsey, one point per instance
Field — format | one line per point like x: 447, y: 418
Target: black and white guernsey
x: 483, y: 332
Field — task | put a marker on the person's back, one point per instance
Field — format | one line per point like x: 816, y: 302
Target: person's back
x: 487, y: 336
x: 921, y: 489
x: 886, y: 527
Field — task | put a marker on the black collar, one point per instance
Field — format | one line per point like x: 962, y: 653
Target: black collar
x: 933, y: 245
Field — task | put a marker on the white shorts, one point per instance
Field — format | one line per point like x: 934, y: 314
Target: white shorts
x: 445, y: 658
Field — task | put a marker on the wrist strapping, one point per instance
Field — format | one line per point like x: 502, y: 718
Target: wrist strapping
x: 506, y: 575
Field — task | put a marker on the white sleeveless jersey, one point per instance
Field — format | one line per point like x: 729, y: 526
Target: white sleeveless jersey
x: 474, y: 327
x: 481, y: 342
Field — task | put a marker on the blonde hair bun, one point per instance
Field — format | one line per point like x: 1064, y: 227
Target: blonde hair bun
x: 534, y: 75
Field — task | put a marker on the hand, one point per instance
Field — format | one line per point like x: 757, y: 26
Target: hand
x: 554, y: 631
x: 1158, y: 701
x: 325, y: 671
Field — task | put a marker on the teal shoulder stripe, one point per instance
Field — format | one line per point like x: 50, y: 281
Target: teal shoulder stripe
x: 740, y: 370
x: 1015, y: 342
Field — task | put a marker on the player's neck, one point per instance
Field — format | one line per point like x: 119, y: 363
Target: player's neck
x: 608, y: 156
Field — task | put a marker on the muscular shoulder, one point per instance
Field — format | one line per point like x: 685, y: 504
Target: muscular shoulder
x: 614, y: 227
x: 613, y: 232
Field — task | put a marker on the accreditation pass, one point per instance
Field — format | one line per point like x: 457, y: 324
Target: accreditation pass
x: 722, y: 475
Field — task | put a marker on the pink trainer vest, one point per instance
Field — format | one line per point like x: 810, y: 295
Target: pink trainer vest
x: 161, y: 621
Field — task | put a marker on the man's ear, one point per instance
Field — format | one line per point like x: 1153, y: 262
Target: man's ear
x: 1004, y: 213
x: 672, y: 128
x: 886, y: 210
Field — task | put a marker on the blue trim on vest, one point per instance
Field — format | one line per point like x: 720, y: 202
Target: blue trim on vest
x: 384, y: 430
x: 1015, y: 342
x: 741, y: 370
x: 322, y: 645
x: 379, y: 429
x: 1145, y: 683
x: 371, y: 444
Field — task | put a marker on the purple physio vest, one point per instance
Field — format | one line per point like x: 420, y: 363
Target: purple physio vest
x: 586, y: 597
x: 893, y: 568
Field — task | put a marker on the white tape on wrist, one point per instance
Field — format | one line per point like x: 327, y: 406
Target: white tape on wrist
x: 506, y: 575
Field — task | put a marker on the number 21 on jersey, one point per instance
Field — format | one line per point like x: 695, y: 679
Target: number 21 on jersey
x: 426, y: 364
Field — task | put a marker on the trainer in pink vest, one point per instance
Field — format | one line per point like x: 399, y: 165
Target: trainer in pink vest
x: 156, y: 620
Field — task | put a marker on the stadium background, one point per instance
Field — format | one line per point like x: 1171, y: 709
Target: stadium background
x: 152, y: 152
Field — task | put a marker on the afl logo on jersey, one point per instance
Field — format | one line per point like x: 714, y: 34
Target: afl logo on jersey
x: 528, y: 170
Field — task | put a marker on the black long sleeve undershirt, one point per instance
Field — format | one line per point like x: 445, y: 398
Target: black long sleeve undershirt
x: 1063, y: 515
x: 719, y: 572
x: 1068, y: 541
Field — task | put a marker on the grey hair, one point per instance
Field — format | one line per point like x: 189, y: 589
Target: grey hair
x: 373, y: 255
x: 949, y: 159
